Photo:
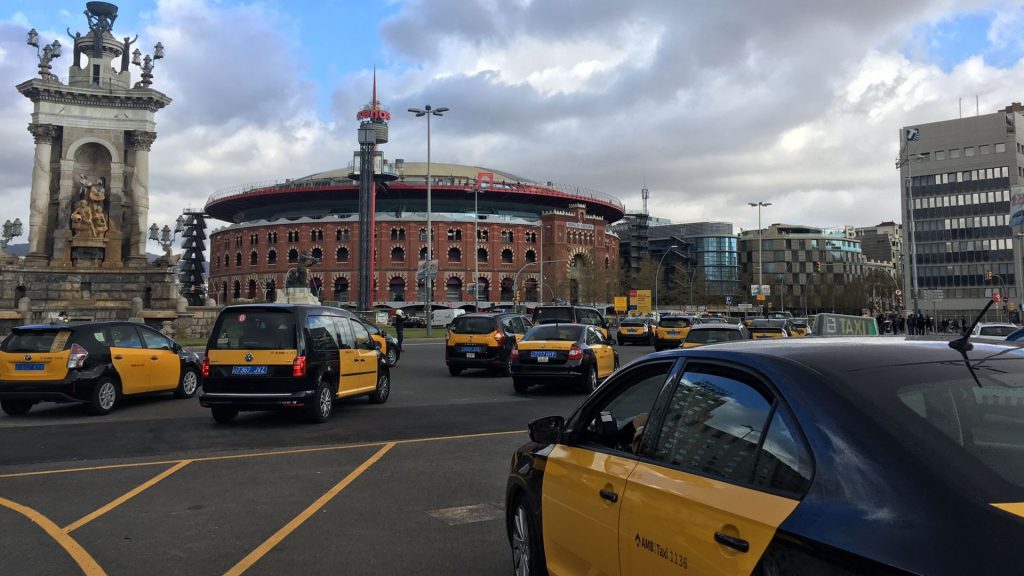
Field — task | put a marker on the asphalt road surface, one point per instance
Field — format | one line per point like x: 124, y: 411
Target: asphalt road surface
x: 413, y: 486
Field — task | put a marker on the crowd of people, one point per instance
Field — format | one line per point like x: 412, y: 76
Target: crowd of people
x: 919, y: 324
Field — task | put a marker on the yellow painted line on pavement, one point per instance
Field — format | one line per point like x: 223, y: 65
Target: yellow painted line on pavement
x: 263, y: 454
x: 85, y: 561
x: 124, y: 497
x: 261, y: 550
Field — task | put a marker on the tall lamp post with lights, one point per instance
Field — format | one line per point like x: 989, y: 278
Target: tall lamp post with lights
x: 657, y: 273
x: 429, y: 277
x: 165, y: 236
x: 11, y: 230
x: 476, y: 246
x: 760, y: 246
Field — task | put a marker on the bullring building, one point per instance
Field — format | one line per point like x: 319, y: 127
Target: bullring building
x: 483, y: 219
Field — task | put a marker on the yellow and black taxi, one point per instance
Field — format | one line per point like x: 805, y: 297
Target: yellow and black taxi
x: 769, y: 328
x: 671, y: 331
x: 633, y: 331
x: 563, y: 353
x: 714, y: 333
x: 852, y: 456
x: 483, y: 340
x: 800, y: 327
x: 572, y: 315
x: 96, y: 362
x: 288, y: 356
x: 388, y: 343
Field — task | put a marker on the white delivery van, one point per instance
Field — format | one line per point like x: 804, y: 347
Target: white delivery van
x: 444, y: 316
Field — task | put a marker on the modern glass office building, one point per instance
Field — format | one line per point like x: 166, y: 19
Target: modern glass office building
x: 710, y: 247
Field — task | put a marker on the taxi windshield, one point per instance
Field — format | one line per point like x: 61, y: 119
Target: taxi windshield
x: 938, y: 409
x: 35, y: 341
x: 552, y: 315
x: 473, y: 325
x: 553, y: 333
x: 711, y: 336
x: 254, y: 330
x: 674, y: 323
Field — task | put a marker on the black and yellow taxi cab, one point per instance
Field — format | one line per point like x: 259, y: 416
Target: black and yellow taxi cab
x: 289, y: 356
x: 762, y: 328
x: 714, y: 333
x: 388, y: 343
x: 800, y: 327
x: 96, y: 362
x: 670, y: 331
x: 633, y: 331
x: 483, y: 340
x: 563, y: 353
x: 853, y: 456
x: 572, y: 315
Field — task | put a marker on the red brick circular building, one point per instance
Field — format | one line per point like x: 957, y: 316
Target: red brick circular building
x: 520, y: 224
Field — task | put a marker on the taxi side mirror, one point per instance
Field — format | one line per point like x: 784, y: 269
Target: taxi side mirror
x: 376, y: 345
x: 546, y: 430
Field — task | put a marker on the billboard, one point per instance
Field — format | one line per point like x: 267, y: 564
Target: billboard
x: 643, y: 301
x: 1017, y: 207
x: 621, y: 304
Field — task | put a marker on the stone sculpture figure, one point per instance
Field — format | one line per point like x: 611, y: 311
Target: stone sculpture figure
x: 297, y: 277
x: 89, y: 220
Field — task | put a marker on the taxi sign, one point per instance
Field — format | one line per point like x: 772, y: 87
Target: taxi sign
x: 845, y: 325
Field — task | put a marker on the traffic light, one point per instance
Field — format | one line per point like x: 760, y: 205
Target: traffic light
x: 519, y: 295
x: 988, y: 275
x: 817, y: 266
x: 899, y: 300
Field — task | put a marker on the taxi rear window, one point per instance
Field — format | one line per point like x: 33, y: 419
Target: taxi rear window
x: 997, y: 330
x: 712, y: 336
x: 674, y: 323
x: 254, y: 330
x: 551, y: 315
x: 473, y: 325
x: 962, y: 428
x: 36, y: 341
x: 632, y: 324
x: 554, y: 333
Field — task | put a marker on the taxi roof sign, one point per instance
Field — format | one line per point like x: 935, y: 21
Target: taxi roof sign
x: 845, y: 325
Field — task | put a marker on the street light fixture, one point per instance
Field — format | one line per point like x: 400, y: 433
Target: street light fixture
x: 760, y: 244
x: 657, y: 273
x: 543, y: 234
x: 165, y: 236
x: 10, y: 230
x: 476, y: 246
x: 429, y: 277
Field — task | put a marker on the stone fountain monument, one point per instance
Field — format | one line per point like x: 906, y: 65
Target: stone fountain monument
x: 89, y: 199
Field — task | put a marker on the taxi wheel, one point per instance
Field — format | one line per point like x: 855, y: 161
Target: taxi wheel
x: 520, y: 385
x: 103, y: 397
x: 188, y: 385
x: 454, y: 371
x: 525, y: 549
x: 224, y: 414
x: 15, y: 407
x: 589, y: 382
x: 380, y: 395
x: 392, y: 356
x: 507, y: 368
x: 319, y: 409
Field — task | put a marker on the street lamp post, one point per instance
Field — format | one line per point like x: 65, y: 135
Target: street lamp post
x: 910, y: 210
x: 1020, y: 276
x: 760, y: 245
x: 657, y: 274
x: 11, y: 230
x: 476, y: 246
x: 428, y: 303
x: 165, y: 236
x: 542, y: 235
x: 515, y: 279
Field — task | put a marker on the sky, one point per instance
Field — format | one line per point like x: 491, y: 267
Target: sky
x: 710, y: 105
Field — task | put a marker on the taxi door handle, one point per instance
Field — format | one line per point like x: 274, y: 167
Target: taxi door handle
x: 154, y: 357
x: 732, y: 542
x: 609, y: 495
x: 118, y: 357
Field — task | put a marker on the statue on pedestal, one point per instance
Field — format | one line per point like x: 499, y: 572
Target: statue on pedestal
x: 297, y: 277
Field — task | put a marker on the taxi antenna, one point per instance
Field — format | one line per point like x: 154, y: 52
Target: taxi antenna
x: 963, y: 343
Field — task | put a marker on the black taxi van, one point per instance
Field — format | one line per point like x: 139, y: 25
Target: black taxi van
x: 572, y: 315
x: 483, y: 340
x: 94, y: 362
x: 289, y: 356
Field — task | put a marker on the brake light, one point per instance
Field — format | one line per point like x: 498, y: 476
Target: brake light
x: 498, y: 337
x: 77, y: 357
x: 206, y: 368
x: 575, y: 353
x: 514, y: 355
x: 299, y: 367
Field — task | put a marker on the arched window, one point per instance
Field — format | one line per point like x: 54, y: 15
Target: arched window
x: 317, y: 253
x: 227, y: 261
x: 238, y: 259
x: 293, y: 256
x: 236, y: 291
x: 481, y: 254
x: 316, y: 235
x: 271, y: 256
x: 224, y: 292
x: 530, y: 289
x: 396, y: 289
x: 271, y: 291
x: 454, y: 255
x: 251, y: 292
x: 397, y: 254
x: 607, y: 262
x: 481, y: 235
x: 423, y: 234
x: 507, y: 290
x: 341, y: 255
x: 483, y: 288
x: 341, y: 289
x: 271, y: 237
x: 453, y: 290
x: 254, y: 238
x: 316, y: 286
x: 454, y: 234
x: 254, y: 258
x: 506, y: 256
x: 423, y: 253
x: 531, y: 256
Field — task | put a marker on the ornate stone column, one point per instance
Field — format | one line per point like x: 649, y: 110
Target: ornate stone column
x: 39, y: 202
x: 140, y: 142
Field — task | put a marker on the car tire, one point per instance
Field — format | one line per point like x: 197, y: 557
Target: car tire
x: 320, y: 407
x: 520, y: 385
x: 454, y: 371
x: 224, y: 414
x: 392, y: 356
x: 15, y: 407
x: 383, y: 390
x: 589, y: 381
x: 526, y: 550
x: 103, y: 397
x: 188, y: 384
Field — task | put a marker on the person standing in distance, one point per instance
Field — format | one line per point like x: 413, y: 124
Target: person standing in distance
x: 399, y: 327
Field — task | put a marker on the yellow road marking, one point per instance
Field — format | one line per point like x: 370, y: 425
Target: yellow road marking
x: 124, y: 497
x: 86, y: 562
x: 262, y: 454
x: 290, y: 527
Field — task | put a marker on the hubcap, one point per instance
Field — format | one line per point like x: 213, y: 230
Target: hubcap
x: 521, y: 543
x: 106, y: 395
x: 383, y: 386
x: 392, y: 357
x: 325, y: 401
x: 593, y: 379
x: 188, y: 385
